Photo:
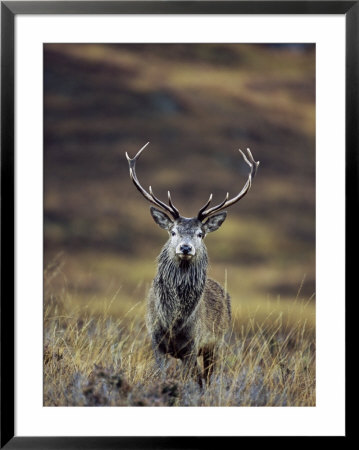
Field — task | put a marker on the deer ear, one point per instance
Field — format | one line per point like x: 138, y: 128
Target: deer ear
x: 161, y: 218
x: 214, y: 222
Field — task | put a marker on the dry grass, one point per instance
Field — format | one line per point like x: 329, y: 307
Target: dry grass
x: 101, y: 356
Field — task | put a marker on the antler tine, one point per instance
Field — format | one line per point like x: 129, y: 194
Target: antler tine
x: 204, y: 207
x: 202, y: 215
x: 225, y: 203
x: 171, y: 204
x: 171, y: 209
x: 251, y: 162
x: 148, y: 196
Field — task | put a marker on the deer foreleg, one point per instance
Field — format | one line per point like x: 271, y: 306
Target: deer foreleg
x: 191, y: 368
x: 208, y: 364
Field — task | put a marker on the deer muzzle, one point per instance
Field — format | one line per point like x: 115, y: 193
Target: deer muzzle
x: 185, y: 251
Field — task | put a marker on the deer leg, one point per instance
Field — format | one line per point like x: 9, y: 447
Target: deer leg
x: 161, y: 358
x: 191, y: 368
x: 208, y: 364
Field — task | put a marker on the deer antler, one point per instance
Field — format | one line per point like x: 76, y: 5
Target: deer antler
x: 203, y: 212
x: 150, y: 196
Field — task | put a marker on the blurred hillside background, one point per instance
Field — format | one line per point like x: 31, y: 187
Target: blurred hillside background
x: 196, y: 104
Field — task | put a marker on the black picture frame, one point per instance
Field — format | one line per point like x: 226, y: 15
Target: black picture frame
x: 9, y: 10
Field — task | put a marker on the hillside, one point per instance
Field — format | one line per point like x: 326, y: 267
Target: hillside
x: 196, y: 104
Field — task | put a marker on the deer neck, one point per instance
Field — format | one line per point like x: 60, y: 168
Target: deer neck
x: 180, y: 284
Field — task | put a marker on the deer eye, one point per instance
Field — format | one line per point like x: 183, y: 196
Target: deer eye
x: 200, y: 235
x: 173, y: 233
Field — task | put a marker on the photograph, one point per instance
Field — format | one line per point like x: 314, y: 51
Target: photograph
x: 179, y: 224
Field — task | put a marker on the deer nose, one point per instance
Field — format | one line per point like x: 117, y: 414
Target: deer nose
x: 186, y: 249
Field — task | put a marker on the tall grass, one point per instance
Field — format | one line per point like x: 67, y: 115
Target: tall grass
x: 101, y: 356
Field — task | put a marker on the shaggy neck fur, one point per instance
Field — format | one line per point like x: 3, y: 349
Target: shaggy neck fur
x: 179, y: 286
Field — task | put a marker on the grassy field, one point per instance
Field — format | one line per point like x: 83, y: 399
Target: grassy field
x: 196, y: 104
x: 99, y: 354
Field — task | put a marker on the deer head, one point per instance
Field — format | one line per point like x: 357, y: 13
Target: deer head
x: 186, y: 234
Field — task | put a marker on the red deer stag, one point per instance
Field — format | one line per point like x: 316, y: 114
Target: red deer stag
x: 188, y: 314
